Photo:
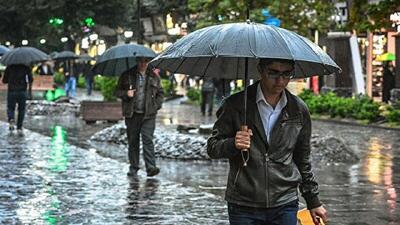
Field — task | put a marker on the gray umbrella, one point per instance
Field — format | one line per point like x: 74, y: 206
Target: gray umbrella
x: 23, y: 55
x: 3, y: 50
x: 121, y: 58
x: 65, y: 55
x: 222, y: 50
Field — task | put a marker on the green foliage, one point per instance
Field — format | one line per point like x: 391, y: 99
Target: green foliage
x: 81, y: 82
x: 193, y: 94
x: 237, y: 89
x: 33, y: 20
x: 59, y: 78
x: 167, y: 87
x: 393, y: 115
x: 108, y: 86
x: 365, y: 109
x: 300, y: 16
x: 360, y: 107
x: 97, y: 82
x: 364, y: 16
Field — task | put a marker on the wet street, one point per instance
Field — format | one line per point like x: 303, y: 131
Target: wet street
x: 51, y: 176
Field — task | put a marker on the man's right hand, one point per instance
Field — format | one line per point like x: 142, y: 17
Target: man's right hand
x: 242, y: 139
x: 131, y: 93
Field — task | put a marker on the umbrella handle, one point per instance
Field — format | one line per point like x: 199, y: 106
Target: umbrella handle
x: 244, y: 151
x: 244, y: 128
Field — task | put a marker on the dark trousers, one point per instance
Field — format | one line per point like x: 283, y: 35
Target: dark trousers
x: 138, y: 126
x: 14, y: 98
x: 281, y: 215
x: 207, y: 97
x: 89, y: 86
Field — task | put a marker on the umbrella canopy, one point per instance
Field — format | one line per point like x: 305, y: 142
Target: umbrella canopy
x: 85, y: 58
x: 222, y: 51
x: 65, y: 55
x: 23, y: 55
x: 121, y: 58
x: 386, y: 57
x: 3, y: 50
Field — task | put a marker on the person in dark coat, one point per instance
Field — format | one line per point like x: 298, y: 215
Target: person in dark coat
x: 142, y: 96
x: 263, y: 181
x: 207, y: 96
x: 19, y: 79
x: 45, y: 69
x: 388, y: 81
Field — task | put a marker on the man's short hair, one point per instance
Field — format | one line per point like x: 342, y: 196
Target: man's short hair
x: 266, y: 61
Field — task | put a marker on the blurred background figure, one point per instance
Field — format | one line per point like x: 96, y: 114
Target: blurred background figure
x: 19, y: 79
x: 223, y: 88
x: 89, y: 77
x: 388, y: 80
x: 207, y: 96
x: 70, y: 78
x: 46, y: 68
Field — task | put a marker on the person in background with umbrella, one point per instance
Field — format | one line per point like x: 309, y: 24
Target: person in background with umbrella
x: 70, y: 78
x: 19, y: 78
x: 142, y: 96
x: 264, y: 190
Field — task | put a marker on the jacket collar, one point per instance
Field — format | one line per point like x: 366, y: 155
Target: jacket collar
x: 253, y: 116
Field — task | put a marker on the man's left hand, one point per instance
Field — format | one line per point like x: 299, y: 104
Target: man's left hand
x: 319, y: 213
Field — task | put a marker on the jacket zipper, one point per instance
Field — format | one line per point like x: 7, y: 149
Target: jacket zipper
x: 236, y: 177
x: 266, y: 180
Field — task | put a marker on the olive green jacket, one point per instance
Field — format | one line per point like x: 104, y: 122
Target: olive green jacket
x: 154, y: 93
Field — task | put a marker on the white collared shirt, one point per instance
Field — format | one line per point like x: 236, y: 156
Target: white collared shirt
x: 268, y: 114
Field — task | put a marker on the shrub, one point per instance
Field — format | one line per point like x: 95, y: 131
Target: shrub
x: 365, y: 109
x: 193, y: 94
x: 107, y: 88
x: 393, y: 115
x: 59, y: 78
x: 360, y: 107
x: 167, y: 87
x: 81, y: 82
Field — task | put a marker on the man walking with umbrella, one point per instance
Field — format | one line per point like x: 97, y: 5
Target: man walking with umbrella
x: 19, y: 78
x: 263, y: 180
x: 142, y: 96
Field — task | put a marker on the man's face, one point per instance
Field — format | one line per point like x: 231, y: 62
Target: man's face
x: 142, y: 64
x: 275, y: 77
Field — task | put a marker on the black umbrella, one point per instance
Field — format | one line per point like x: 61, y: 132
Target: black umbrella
x: 232, y: 51
x: 3, y: 50
x: 65, y: 55
x: 121, y: 58
x: 23, y: 55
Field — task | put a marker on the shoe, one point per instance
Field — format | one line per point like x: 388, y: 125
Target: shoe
x: 132, y: 173
x: 11, y: 124
x: 20, y: 132
x: 152, y: 172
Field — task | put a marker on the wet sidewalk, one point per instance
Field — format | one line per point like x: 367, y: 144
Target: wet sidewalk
x: 45, y: 180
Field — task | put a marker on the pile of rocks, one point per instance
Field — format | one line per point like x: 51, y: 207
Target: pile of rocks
x: 175, y: 145
x: 43, y: 108
x: 171, y: 145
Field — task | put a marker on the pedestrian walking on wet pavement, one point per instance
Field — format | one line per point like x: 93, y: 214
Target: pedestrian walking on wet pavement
x: 142, y: 96
x: 263, y: 182
x: 207, y: 96
x: 19, y: 80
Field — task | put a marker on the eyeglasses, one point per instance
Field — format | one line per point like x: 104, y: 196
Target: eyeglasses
x: 275, y: 74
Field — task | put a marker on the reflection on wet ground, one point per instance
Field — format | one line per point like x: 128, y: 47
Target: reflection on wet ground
x: 50, y: 181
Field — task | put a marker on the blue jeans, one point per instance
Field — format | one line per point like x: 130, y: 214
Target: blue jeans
x: 281, y: 215
x: 14, y: 98
x: 70, y: 87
